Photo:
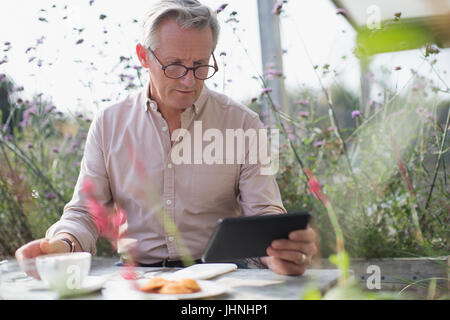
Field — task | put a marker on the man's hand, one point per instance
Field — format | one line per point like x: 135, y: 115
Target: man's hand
x: 292, y: 256
x: 25, y: 254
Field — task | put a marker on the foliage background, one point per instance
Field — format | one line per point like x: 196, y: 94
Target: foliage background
x: 357, y: 156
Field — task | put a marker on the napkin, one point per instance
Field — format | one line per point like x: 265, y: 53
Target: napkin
x: 203, y: 271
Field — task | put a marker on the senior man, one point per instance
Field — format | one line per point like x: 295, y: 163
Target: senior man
x: 130, y: 150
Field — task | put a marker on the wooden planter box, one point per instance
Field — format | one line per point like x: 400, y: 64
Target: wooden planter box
x: 396, y: 274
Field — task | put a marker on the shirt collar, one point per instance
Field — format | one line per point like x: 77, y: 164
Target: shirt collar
x: 196, y: 107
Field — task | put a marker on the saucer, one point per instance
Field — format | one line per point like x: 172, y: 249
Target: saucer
x: 90, y: 284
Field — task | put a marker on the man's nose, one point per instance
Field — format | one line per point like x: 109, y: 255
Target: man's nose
x: 188, y: 79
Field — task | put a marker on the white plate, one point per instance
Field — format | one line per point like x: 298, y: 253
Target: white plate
x: 208, y: 289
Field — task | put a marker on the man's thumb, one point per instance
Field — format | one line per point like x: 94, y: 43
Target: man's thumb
x: 53, y: 246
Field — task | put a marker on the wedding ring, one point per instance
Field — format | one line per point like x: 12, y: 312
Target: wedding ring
x: 303, y: 258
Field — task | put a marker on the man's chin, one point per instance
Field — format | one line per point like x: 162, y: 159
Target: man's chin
x: 182, y: 104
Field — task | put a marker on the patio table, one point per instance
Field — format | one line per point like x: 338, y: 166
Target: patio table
x: 242, y: 284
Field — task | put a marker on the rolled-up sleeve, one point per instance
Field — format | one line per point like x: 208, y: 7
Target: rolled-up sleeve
x: 75, y: 219
x: 259, y: 193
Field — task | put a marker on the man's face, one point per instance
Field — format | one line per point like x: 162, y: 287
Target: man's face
x: 190, y: 47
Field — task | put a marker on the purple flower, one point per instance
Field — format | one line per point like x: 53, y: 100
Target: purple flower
x: 266, y: 90
x: 30, y: 146
x: 318, y: 144
x: 272, y: 73
x: 50, y: 196
x: 304, y: 102
x: 369, y: 75
x: 278, y: 7
x: 341, y: 11
x: 221, y: 8
x: 26, y: 115
x: 29, y: 49
x: 429, y: 117
x: 356, y: 114
x: 40, y: 40
x: 50, y: 109
x: 303, y: 114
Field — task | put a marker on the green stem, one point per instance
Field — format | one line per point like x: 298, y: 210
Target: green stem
x: 18, y: 152
x: 436, y: 169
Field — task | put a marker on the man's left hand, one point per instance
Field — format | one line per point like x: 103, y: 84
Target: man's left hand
x: 293, y: 255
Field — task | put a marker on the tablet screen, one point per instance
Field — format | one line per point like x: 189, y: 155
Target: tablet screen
x: 249, y: 237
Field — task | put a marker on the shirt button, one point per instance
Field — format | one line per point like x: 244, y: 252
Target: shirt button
x: 171, y: 238
x: 169, y: 166
x: 164, y: 129
x: 169, y: 202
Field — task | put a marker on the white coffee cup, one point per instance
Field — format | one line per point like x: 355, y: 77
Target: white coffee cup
x: 64, y: 272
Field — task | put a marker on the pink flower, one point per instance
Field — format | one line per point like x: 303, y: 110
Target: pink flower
x: 315, y: 188
x: 87, y: 186
x: 278, y: 7
x: 318, y: 144
x: 266, y: 90
x: 341, y: 11
x: 304, y: 102
x: 303, y: 114
x: 108, y: 222
x: 271, y: 73
x: 221, y: 8
x: 356, y: 114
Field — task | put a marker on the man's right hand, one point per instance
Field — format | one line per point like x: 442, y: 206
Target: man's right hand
x: 25, y: 254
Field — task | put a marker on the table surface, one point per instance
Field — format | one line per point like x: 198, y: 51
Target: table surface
x: 242, y: 284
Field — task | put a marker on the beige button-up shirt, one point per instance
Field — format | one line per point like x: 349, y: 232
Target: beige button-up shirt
x: 170, y: 204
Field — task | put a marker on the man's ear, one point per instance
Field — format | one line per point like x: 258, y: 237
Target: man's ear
x: 142, y: 56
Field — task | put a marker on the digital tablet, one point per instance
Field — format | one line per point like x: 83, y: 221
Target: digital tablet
x: 249, y: 237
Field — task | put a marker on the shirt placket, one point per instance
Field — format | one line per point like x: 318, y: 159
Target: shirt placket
x: 169, y: 217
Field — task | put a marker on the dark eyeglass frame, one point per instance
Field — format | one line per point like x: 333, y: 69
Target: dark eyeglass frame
x: 187, y: 69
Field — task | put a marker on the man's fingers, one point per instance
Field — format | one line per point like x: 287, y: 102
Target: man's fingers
x: 292, y: 256
x: 26, y: 255
x: 28, y: 251
x: 284, y: 267
x: 307, y: 235
x: 285, y: 244
x: 49, y: 246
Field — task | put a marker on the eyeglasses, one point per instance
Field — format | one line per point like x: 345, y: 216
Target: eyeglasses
x: 177, y: 70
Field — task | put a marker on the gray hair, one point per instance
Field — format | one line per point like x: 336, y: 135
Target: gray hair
x: 187, y: 13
